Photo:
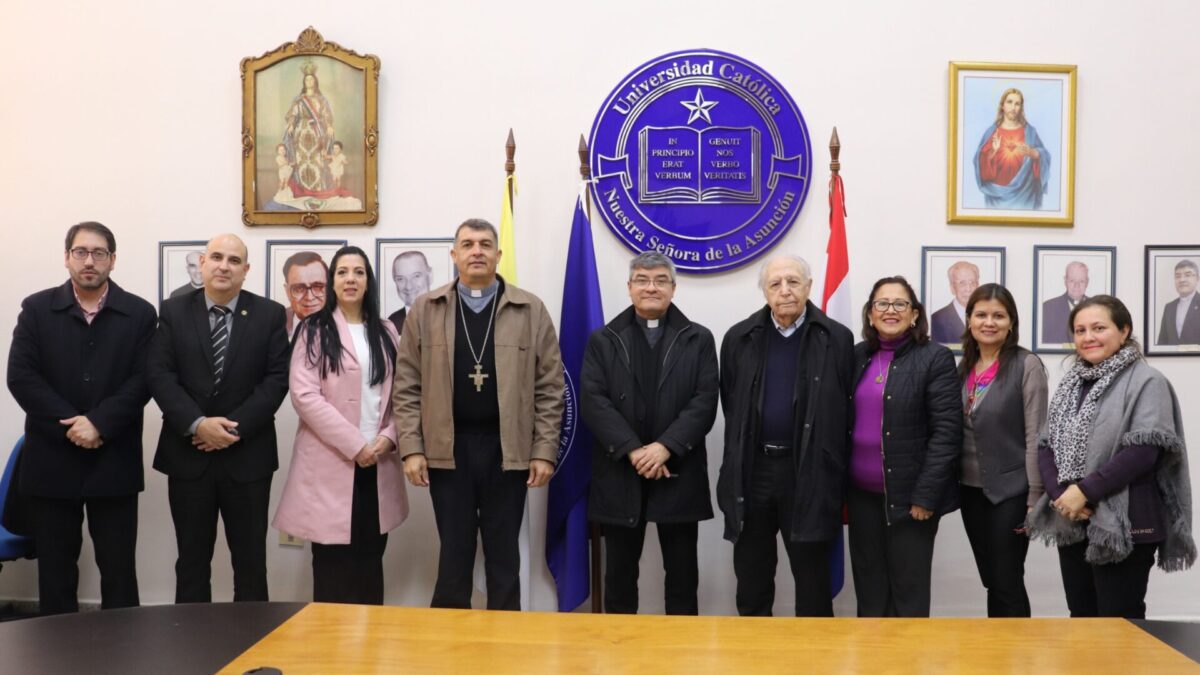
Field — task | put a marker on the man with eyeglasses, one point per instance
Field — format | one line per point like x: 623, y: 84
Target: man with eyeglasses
x: 304, y: 275
x: 77, y: 368
x: 218, y: 369
x: 648, y: 393
x: 787, y: 376
x: 1180, y: 323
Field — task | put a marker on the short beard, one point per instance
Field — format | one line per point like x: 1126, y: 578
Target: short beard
x: 79, y: 281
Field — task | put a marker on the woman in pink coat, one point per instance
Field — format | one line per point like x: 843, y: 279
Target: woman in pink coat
x: 345, y: 487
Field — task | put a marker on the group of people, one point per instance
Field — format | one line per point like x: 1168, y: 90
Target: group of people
x: 466, y: 398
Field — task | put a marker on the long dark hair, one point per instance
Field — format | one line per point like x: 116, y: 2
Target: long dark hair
x: 970, y: 346
x: 323, y: 344
x: 919, y: 333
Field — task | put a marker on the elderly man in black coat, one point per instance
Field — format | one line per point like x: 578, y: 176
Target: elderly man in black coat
x: 786, y: 385
x: 76, y: 367
x: 649, y: 394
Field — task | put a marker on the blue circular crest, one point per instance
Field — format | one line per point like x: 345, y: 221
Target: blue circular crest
x: 701, y: 156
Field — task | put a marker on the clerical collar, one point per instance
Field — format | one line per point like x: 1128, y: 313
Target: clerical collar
x: 652, y: 329
x: 649, y: 324
x: 477, y: 298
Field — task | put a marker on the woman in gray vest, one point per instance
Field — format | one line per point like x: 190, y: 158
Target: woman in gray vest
x: 1114, y: 464
x: 1004, y: 407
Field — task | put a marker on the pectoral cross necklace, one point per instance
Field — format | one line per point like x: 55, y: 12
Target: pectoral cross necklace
x: 478, y: 376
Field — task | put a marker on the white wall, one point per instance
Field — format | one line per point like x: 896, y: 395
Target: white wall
x: 129, y: 113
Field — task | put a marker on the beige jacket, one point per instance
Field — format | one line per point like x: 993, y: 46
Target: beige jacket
x: 529, y: 379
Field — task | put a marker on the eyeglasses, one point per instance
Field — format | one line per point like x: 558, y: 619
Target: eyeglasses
x: 98, y: 254
x: 661, y: 283
x: 297, y: 291
x: 897, y: 305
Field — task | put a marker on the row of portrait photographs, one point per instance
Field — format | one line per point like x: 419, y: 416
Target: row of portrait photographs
x: 1062, y: 277
x: 296, y: 272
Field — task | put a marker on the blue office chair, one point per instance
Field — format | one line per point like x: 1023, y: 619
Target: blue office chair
x: 12, y: 546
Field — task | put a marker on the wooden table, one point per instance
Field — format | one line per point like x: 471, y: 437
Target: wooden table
x: 345, y: 638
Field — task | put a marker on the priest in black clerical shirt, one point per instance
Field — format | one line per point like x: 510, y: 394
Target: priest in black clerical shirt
x: 478, y: 406
x: 648, y: 393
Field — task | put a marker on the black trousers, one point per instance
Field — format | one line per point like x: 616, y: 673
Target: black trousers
x: 755, y: 553
x: 242, y: 507
x: 58, y: 530
x: 353, y: 573
x: 622, y: 557
x: 996, y: 533
x: 1113, y: 590
x: 891, y: 563
x: 478, y: 498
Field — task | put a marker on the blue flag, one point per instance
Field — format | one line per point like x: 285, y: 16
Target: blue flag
x: 566, y: 512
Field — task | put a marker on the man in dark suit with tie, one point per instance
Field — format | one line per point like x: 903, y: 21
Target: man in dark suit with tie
x: 218, y: 369
x: 1056, y: 312
x: 76, y: 367
x: 1181, y: 317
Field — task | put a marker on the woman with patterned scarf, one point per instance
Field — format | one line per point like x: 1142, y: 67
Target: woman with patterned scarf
x: 1114, y: 464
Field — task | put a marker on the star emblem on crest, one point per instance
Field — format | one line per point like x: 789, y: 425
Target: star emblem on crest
x: 699, y: 107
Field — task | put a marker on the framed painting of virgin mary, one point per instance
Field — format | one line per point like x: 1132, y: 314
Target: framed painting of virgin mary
x: 310, y: 135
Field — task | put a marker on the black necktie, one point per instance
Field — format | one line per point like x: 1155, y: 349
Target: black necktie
x: 220, y: 340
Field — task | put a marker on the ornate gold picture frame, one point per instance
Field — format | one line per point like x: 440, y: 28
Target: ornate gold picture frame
x: 1012, y: 144
x: 310, y: 135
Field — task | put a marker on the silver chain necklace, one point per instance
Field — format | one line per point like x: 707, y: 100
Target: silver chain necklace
x: 478, y: 376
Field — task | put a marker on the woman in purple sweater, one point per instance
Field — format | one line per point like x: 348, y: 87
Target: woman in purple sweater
x: 904, y: 459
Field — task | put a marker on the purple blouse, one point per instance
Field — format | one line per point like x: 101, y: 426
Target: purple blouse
x: 866, y: 455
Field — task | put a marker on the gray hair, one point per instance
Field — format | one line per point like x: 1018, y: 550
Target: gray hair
x: 478, y: 225
x: 1185, y: 263
x: 650, y: 260
x: 805, y: 268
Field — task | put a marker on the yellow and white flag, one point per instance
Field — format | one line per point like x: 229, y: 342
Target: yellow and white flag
x: 508, y: 261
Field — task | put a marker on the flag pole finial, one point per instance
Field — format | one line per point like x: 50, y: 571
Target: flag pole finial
x: 510, y: 151
x: 835, y: 150
x: 585, y: 169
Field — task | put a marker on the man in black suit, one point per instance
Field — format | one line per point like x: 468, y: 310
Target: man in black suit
x: 947, y: 325
x: 1056, y: 312
x: 218, y: 369
x: 1180, y: 323
x: 412, y: 274
x: 77, y: 369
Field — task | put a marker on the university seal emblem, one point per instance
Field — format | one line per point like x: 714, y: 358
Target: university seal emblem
x: 701, y: 156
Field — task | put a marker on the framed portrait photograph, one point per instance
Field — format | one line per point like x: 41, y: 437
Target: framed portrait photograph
x: 948, y: 278
x: 408, y: 268
x: 179, y: 268
x: 1012, y: 144
x: 1172, y: 326
x: 1062, y: 276
x: 310, y: 135
x: 297, y: 271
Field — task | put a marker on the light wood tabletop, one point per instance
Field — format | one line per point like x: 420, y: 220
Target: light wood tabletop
x: 324, y: 638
